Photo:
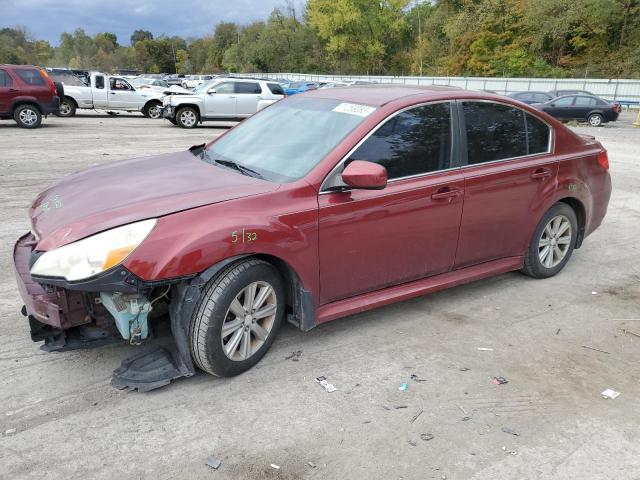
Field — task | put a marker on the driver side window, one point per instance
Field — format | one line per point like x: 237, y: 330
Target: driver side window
x: 413, y: 142
x: 224, y: 88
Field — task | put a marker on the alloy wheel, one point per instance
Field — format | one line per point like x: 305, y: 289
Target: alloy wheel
x: 65, y: 109
x: 188, y: 118
x: 555, y: 241
x: 28, y: 117
x: 249, y: 321
x: 595, y: 120
x: 155, y: 112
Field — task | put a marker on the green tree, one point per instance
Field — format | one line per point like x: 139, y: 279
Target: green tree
x: 140, y: 35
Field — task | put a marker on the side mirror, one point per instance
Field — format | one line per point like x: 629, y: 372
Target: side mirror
x: 365, y: 175
x: 212, y: 91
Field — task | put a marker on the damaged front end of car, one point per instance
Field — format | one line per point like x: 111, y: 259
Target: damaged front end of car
x: 68, y: 310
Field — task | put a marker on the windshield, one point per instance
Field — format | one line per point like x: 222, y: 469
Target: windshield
x: 203, y: 86
x: 286, y: 140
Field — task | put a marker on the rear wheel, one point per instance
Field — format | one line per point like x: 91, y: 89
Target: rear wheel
x: 595, y: 120
x: 237, y: 318
x: 27, y: 116
x: 153, y: 110
x: 187, y: 117
x: 552, y: 243
x: 67, y: 108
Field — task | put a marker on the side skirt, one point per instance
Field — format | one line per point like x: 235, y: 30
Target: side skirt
x: 379, y: 298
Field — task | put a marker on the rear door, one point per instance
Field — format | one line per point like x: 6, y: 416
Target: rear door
x: 7, y: 90
x: 583, y: 106
x: 249, y: 94
x: 99, y: 91
x: 372, y: 239
x: 510, y: 172
x: 220, y: 101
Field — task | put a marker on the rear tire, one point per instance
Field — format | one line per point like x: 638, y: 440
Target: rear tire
x: 187, y: 117
x: 27, y: 116
x: 595, y: 120
x: 153, y: 110
x: 237, y: 318
x: 67, y: 108
x: 552, y: 243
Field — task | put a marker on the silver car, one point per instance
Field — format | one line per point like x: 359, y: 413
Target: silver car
x: 222, y: 99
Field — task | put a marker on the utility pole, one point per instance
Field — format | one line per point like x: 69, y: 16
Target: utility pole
x: 417, y: 6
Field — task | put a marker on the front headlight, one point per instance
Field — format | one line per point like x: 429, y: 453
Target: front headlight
x: 93, y: 255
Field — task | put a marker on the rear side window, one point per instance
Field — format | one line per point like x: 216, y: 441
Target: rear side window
x: 564, y: 102
x: 538, y: 135
x: 248, y: 87
x: 585, y: 102
x: 413, y: 142
x: 5, y: 79
x: 275, y: 88
x: 494, y: 132
x: 100, y: 82
x: 31, y: 76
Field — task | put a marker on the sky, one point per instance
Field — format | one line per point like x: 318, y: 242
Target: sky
x: 47, y: 19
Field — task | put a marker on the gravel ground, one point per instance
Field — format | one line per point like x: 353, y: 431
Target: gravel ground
x: 61, y: 419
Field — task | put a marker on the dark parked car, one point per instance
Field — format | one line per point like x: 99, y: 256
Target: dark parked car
x: 532, y: 97
x: 26, y: 94
x: 361, y: 197
x: 584, y: 108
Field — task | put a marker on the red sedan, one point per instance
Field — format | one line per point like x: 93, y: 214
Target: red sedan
x: 322, y: 205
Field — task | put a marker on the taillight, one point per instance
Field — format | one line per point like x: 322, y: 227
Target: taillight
x: 603, y: 160
x: 617, y: 108
x: 52, y: 86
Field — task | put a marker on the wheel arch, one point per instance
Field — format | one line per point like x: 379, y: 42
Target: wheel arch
x: 149, y: 102
x: 72, y: 99
x: 580, y: 212
x: 299, y: 300
x: 20, y: 102
x: 192, y: 105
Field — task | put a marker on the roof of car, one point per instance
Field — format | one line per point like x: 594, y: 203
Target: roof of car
x: 379, y: 95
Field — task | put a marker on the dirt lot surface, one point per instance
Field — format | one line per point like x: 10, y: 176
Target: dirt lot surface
x: 61, y: 419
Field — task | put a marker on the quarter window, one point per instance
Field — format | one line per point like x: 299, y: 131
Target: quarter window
x: 538, y: 135
x: 5, y: 79
x: 413, y: 142
x: 30, y: 76
x: 275, y: 88
x: 585, y: 102
x: 248, y: 87
x: 494, y: 132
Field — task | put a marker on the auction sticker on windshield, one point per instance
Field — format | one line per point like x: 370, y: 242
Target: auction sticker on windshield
x: 354, y: 109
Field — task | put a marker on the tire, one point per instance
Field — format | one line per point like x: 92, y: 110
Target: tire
x: 550, y: 250
x: 153, y: 110
x: 67, y: 108
x: 173, y: 120
x: 225, y: 356
x: 595, y: 120
x: 27, y: 116
x: 187, y: 117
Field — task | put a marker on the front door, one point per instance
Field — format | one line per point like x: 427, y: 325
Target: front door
x: 372, y: 239
x: 249, y: 93
x: 122, y: 95
x: 220, y: 101
x: 510, y: 175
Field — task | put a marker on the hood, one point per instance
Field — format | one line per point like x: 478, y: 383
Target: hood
x: 93, y: 200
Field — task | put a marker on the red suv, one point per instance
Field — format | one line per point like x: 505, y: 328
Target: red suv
x: 360, y: 197
x: 26, y: 94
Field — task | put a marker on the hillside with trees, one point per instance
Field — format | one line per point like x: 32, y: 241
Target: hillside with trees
x: 511, y: 38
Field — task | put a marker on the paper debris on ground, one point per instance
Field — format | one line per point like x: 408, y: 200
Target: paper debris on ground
x: 277, y: 467
x: 214, y: 463
x: 326, y: 385
x: 608, y: 393
x: 499, y: 380
x: 485, y: 349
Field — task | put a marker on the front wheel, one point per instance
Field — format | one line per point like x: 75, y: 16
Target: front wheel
x: 595, y: 120
x: 187, y: 117
x: 237, y: 318
x: 553, y: 241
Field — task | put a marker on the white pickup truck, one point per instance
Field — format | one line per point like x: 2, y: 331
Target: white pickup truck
x: 110, y: 93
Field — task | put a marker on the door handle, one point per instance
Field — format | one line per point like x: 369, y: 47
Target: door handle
x: 13, y: 90
x: 541, y: 173
x: 445, y: 193
x: 112, y: 93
